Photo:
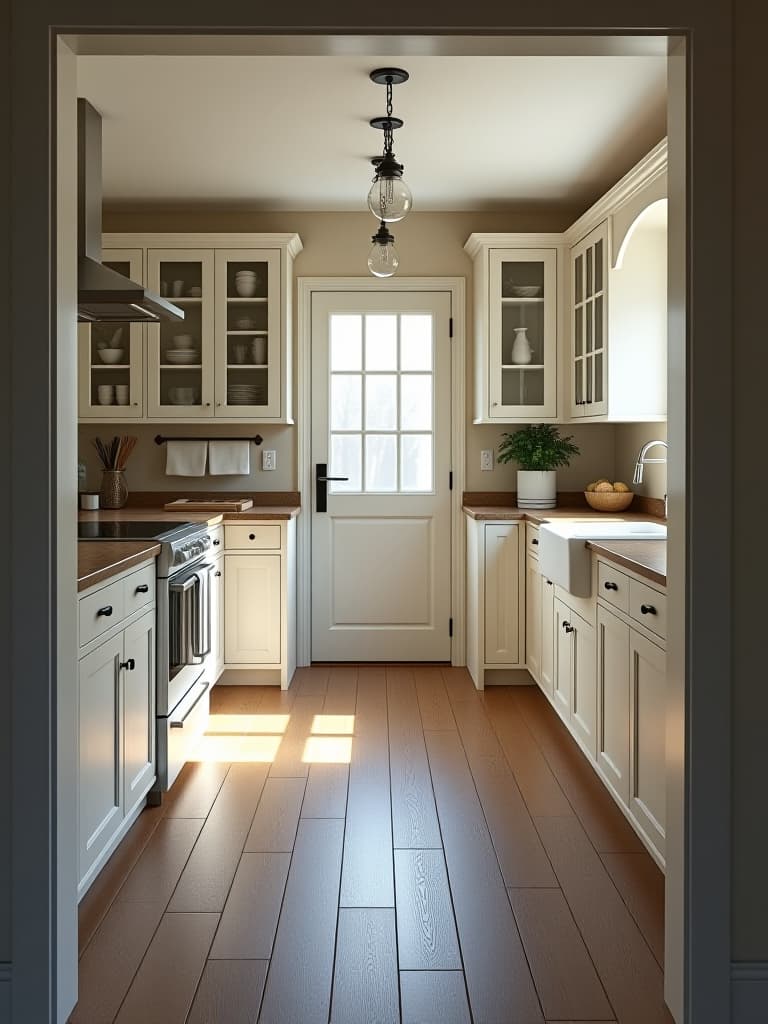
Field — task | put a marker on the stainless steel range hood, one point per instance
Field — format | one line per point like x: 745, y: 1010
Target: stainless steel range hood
x: 103, y: 295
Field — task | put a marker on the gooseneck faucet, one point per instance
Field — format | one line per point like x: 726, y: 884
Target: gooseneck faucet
x: 643, y: 460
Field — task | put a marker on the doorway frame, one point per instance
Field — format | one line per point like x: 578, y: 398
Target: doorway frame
x: 306, y: 288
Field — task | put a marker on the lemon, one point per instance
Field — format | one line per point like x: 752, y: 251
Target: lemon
x: 603, y: 487
x: 619, y: 486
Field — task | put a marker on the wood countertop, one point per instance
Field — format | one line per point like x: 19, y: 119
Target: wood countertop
x: 141, y: 513
x: 98, y: 560
x: 645, y: 557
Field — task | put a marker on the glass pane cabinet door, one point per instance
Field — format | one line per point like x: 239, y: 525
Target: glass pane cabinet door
x: 111, y: 370
x: 588, y: 325
x: 180, y: 353
x: 248, y: 333
x: 523, y: 333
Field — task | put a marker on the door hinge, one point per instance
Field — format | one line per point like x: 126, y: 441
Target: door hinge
x: 450, y: 481
x: 450, y: 627
x: 450, y: 327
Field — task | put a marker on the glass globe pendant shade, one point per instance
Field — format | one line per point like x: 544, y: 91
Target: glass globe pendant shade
x: 389, y: 198
x: 383, y: 260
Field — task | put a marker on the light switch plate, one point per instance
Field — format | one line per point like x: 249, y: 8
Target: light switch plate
x: 486, y: 459
x: 269, y: 459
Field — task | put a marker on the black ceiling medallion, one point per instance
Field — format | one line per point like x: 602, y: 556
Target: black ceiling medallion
x: 389, y: 198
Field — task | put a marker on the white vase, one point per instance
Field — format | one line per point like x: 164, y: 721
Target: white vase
x: 536, y: 489
x: 521, y: 347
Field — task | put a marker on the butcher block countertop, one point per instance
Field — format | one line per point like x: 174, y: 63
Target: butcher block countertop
x: 97, y: 560
x: 645, y: 557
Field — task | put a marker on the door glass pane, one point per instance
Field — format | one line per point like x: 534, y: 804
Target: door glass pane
x: 346, y: 401
x: 346, y: 341
x: 599, y: 266
x: 416, y: 462
x: 381, y: 402
x: 589, y: 338
x: 599, y: 377
x: 578, y: 279
x: 380, y: 462
x: 590, y: 289
x: 346, y: 460
x: 380, y: 341
x: 181, y: 370
x: 578, y: 330
x: 598, y: 322
x: 416, y: 342
x: 522, y: 280
x: 578, y: 381
x: 416, y: 401
x: 589, y: 373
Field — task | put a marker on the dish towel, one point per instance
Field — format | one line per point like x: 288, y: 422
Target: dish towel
x: 229, y: 458
x: 185, y: 458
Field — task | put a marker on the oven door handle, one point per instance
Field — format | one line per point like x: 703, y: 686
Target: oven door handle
x: 201, y: 632
x: 195, y: 702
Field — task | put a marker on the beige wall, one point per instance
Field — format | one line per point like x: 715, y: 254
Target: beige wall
x: 630, y: 437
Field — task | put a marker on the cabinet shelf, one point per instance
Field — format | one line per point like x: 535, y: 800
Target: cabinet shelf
x: 247, y: 366
x: 110, y: 366
x: 262, y: 334
x: 523, y: 366
x: 185, y: 299
x: 239, y: 300
x: 509, y: 300
x: 181, y: 366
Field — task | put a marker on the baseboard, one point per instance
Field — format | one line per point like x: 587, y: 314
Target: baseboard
x: 749, y: 991
x: 5, y: 993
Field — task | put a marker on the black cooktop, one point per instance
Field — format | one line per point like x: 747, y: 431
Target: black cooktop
x: 103, y: 530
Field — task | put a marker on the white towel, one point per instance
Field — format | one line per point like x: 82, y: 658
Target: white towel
x: 185, y: 458
x: 229, y: 458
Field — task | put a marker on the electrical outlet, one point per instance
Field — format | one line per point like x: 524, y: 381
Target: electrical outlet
x: 486, y: 459
x: 269, y: 459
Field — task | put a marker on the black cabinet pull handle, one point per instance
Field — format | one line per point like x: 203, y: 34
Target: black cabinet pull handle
x: 611, y: 586
x: 549, y: 583
x: 535, y: 541
x: 143, y: 589
x: 130, y: 664
x: 217, y: 573
x: 106, y: 610
x: 567, y: 627
x: 647, y: 609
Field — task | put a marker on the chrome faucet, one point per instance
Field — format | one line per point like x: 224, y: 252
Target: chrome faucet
x: 642, y: 461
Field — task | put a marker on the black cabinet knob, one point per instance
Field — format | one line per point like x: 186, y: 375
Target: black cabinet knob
x: 217, y: 573
x: 610, y: 586
x: 216, y: 543
x: 647, y: 609
x: 535, y: 541
x: 251, y: 536
x: 130, y: 664
x: 143, y: 589
x: 106, y: 611
x: 568, y: 627
x: 549, y: 583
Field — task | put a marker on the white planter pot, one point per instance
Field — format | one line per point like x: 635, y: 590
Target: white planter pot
x: 536, y: 489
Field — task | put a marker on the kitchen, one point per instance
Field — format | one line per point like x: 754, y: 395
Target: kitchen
x: 607, y: 446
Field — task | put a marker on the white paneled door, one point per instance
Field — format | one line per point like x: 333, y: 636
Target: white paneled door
x: 381, y: 433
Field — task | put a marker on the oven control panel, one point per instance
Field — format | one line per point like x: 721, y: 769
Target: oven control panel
x: 191, y: 548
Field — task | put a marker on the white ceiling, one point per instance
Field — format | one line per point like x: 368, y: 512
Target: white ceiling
x: 291, y: 132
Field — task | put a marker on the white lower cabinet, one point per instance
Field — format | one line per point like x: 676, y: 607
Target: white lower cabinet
x: 533, y: 595
x: 215, y: 660
x: 647, y: 793
x: 116, y: 719
x: 613, y: 688
x: 253, y: 599
x: 547, y: 677
x: 575, y: 691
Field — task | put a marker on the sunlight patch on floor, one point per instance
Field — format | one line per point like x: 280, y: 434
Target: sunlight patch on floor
x: 245, y: 724
x: 328, y: 750
x: 333, y: 725
x: 261, y: 749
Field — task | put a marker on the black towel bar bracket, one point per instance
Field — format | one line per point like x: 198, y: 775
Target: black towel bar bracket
x: 161, y: 439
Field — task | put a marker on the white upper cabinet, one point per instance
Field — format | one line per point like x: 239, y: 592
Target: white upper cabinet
x: 231, y: 356
x: 617, y: 363
x: 516, y: 326
x: 111, y: 356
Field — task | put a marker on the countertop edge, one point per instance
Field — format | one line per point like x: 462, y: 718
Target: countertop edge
x: 143, y: 551
x: 625, y: 560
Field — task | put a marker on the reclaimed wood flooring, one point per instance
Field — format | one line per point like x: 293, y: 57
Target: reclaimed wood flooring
x: 385, y: 845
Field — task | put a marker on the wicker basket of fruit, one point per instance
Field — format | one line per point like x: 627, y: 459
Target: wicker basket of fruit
x: 605, y: 496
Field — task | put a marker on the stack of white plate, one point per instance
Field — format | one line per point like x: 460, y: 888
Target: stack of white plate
x: 246, y: 282
x: 246, y: 394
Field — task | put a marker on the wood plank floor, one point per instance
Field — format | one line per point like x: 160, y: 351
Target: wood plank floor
x: 410, y: 852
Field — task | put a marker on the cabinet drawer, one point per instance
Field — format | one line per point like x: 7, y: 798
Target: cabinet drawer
x: 648, y: 607
x: 613, y: 586
x: 139, y: 589
x: 532, y: 539
x: 100, y: 611
x: 216, y: 533
x: 253, y: 536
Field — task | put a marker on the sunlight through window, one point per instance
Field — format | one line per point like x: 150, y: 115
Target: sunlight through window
x: 245, y: 724
x: 333, y: 725
x: 261, y: 749
x: 328, y: 750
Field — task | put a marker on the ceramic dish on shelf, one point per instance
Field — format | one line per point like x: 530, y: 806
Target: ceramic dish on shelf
x: 183, y: 342
x: 111, y: 355
x: 525, y: 291
x: 195, y: 292
x: 182, y: 357
x: 182, y: 396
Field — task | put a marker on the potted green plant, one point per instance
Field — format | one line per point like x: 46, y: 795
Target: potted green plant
x: 538, y: 449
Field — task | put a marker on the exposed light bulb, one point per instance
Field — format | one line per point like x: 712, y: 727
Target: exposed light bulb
x: 383, y: 260
x: 389, y: 199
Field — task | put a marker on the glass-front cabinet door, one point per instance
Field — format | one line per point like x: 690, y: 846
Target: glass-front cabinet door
x: 522, y: 328
x: 180, y: 354
x: 589, y: 325
x: 248, y: 333
x: 110, y: 355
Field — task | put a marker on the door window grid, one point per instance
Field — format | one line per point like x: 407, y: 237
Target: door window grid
x: 588, y: 325
x: 390, y: 441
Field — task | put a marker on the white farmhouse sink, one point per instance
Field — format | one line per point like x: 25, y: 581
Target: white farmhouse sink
x: 563, y: 554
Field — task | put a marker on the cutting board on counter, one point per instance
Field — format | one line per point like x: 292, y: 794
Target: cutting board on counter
x: 209, y: 505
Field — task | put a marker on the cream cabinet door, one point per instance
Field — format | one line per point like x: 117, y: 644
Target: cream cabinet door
x: 547, y: 663
x: 215, y: 660
x: 253, y: 601
x: 502, y: 594
x: 589, y: 324
x: 138, y: 678
x: 584, y: 687
x: 647, y: 797
x: 533, y: 585
x: 563, y: 650
x: 100, y: 775
x: 613, y: 700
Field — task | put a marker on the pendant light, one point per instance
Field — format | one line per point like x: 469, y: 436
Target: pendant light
x: 383, y: 260
x: 389, y: 198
